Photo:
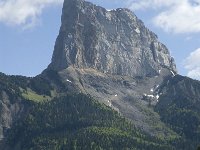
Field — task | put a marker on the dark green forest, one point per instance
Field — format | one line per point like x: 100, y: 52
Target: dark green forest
x: 78, y: 122
x: 55, y: 119
x: 182, y: 113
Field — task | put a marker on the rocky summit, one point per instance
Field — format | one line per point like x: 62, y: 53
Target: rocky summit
x: 110, y: 41
x: 111, y: 85
x: 112, y: 56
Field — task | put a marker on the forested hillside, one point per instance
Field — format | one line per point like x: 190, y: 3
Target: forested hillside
x: 77, y: 122
x: 74, y: 121
x: 179, y: 108
x: 52, y: 118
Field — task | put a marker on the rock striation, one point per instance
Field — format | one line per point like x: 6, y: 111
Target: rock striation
x: 110, y: 41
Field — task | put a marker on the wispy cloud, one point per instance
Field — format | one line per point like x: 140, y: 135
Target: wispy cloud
x: 192, y: 64
x: 23, y: 12
x: 175, y: 16
x: 152, y: 4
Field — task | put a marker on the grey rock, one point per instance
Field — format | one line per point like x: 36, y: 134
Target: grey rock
x: 122, y: 93
x: 114, y: 42
x: 113, y: 57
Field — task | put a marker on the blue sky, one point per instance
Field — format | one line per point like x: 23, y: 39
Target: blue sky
x: 28, y: 30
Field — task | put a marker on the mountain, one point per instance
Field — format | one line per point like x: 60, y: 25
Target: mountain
x: 114, y: 42
x: 112, y: 56
x: 111, y: 85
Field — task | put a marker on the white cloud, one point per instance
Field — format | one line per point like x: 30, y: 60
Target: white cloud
x: 153, y: 4
x: 175, y: 16
x: 23, y: 12
x: 195, y: 74
x: 192, y: 64
x: 188, y: 38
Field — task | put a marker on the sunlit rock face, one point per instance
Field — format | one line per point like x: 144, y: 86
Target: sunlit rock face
x: 113, y: 42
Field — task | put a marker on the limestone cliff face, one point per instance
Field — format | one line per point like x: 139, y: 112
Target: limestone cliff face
x: 113, y: 42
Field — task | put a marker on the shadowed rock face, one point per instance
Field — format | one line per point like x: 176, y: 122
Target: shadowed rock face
x: 113, y: 42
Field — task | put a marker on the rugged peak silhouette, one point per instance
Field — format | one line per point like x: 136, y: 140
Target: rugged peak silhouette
x: 110, y: 41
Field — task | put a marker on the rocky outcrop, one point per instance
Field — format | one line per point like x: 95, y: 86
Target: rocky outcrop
x: 113, y: 42
x: 10, y: 110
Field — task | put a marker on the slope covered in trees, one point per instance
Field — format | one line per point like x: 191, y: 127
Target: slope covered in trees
x: 77, y: 122
x: 52, y: 118
x: 179, y: 108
